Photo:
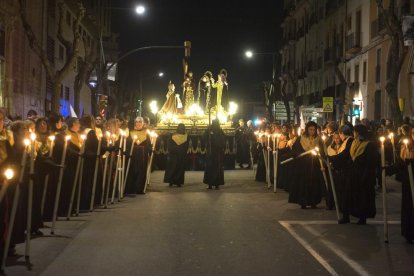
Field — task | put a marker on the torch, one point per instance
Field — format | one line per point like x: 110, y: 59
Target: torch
x: 59, y: 185
x: 30, y: 196
x: 95, y: 174
x: 153, y: 142
x: 410, y: 171
x: 384, y: 191
x: 52, y: 143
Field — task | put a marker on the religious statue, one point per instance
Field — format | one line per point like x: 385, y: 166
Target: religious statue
x: 204, y: 91
x: 170, y: 105
x: 188, y: 91
x: 219, y: 85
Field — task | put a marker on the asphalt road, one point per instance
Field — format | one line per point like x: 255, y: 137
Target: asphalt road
x: 241, y: 229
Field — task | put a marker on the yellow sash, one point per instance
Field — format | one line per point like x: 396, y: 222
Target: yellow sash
x: 74, y: 138
x: 179, y: 139
x: 141, y: 135
x: 357, y: 148
x: 309, y: 143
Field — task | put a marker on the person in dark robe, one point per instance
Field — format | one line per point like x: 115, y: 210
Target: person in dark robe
x: 342, y: 164
x: 365, y: 156
x: 177, y: 153
x: 306, y: 188
x: 89, y: 160
x: 401, y: 168
x: 72, y: 158
x: 215, y: 142
x: 137, y: 175
x: 243, y: 145
x: 7, y: 186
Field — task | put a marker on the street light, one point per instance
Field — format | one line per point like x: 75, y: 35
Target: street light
x: 160, y: 74
x: 249, y: 54
x: 140, y: 9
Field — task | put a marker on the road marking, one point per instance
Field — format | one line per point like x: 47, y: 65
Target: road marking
x: 311, y: 222
x: 287, y: 224
x: 309, y: 248
x: 332, y: 247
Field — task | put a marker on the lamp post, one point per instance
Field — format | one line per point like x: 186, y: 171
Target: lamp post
x: 140, y: 100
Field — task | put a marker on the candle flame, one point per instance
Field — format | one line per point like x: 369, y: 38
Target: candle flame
x: 135, y: 137
x: 108, y: 134
x: 83, y: 136
x: 67, y: 138
x: 405, y: 141
x: 382, y: 139
x: 323, y: 137
x: 33, y: 136
x: 9, y: 173
x: 52, y: 138
x: 26, y: 142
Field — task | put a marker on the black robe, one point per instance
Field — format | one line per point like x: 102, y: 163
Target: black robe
x: 91, y: 147
x: 407, y: 207
x: 343, y: 168
x: 214, y: 170
x: 363, y: 183
x: 175, y: 170
x: 243, y: 145
x: 137, y: 174
x: 306, y: 186
x: 261, y: 166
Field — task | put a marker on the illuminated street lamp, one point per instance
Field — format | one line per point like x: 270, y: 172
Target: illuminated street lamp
x: 140, y: 9
x: 249, y: 54
x: 160, y: 74
x: 154, y: 109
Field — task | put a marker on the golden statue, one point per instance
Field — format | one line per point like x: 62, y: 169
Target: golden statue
x: 170, y: 105
x: 219, y: 85
x: 188, y: 91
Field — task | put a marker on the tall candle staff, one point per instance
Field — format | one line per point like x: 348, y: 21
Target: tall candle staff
x: 129, y: 158
x: 95, y: 174
x: 59, y: 185
x: 123, y: 165
x: 256, y: 133
x: 14, y: 205
x: 154, y: 137
x: 52, y: 143
x: 391, y: 137
x: 331, y: 179
x: 117, y: 170
x: 111, y: 165
x: 83, y: 138
x: 409, y: 167
x: 384, y: 191
x: 30, y: 196
x: 106, y: 157
x: 268, y: 150
x: 9, y: 174
x: 276, y: 137
x: 78, y: 172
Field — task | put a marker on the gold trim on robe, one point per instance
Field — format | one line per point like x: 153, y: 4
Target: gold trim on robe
x: 179, y: 139
x: 309, y: 143
x: 141, y: 135
x: 357, y: 148
x: 74, y: 138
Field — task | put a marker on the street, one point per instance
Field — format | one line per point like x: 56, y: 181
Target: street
x: 241, y: 229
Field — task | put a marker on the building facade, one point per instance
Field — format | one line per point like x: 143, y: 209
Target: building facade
x: 338, y: 48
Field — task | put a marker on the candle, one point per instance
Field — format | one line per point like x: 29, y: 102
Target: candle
x: 46, y: 183
x: 95, y: 174
x: 299, y: 131
x: 30, y: 195
x: 384, y: 191
x: 391, y: 137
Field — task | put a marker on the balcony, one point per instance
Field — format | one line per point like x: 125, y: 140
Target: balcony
x: 378, y: 74
x: 377, y: 26
x: 353, y: 43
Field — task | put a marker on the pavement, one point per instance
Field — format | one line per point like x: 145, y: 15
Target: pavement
x: 241, y: 229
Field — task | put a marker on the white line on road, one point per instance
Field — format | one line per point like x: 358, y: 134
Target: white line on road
x: 309, y: 248
x: 332, y: 247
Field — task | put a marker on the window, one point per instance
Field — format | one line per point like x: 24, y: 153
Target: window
x: 61, y: 53
x: 68, y: 18
x: 67, y: 93
x: 364, y: 71
x: 349, y: 23
x: 356, y: 73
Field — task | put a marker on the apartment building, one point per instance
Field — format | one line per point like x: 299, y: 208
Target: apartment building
x: 338, y: 48
x: 24, y: 84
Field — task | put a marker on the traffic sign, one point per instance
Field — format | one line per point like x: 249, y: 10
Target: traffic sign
x: 327, y: 104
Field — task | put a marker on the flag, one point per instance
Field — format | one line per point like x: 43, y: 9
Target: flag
x: 72, y: 112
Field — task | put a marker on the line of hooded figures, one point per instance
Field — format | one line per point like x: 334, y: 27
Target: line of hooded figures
x: 51, y: 169
x: 343, y: 165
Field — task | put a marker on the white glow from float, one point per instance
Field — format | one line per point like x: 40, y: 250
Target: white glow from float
x: 195, y: 110
x: 153, y: 107
x: 233, y: 108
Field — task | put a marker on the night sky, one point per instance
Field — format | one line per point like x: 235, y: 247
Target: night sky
x: 220, y: 32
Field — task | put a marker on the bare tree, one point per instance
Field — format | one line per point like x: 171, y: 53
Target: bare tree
x: 396, y: 56
x: 71, y: 46
x: 85, y: 67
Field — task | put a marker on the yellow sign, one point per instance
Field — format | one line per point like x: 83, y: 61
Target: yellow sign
x: 328, y: 104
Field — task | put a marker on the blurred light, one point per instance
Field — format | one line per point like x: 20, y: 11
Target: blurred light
x: 140, y: 9
x: 154, y: 107
x: 257, y: 122
x: 249, y: 54
x: 9, y: 174
x: 233, y: 108
x: 160, y: 74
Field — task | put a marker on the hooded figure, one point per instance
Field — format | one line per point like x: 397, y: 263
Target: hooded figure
x: 177, y: 153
